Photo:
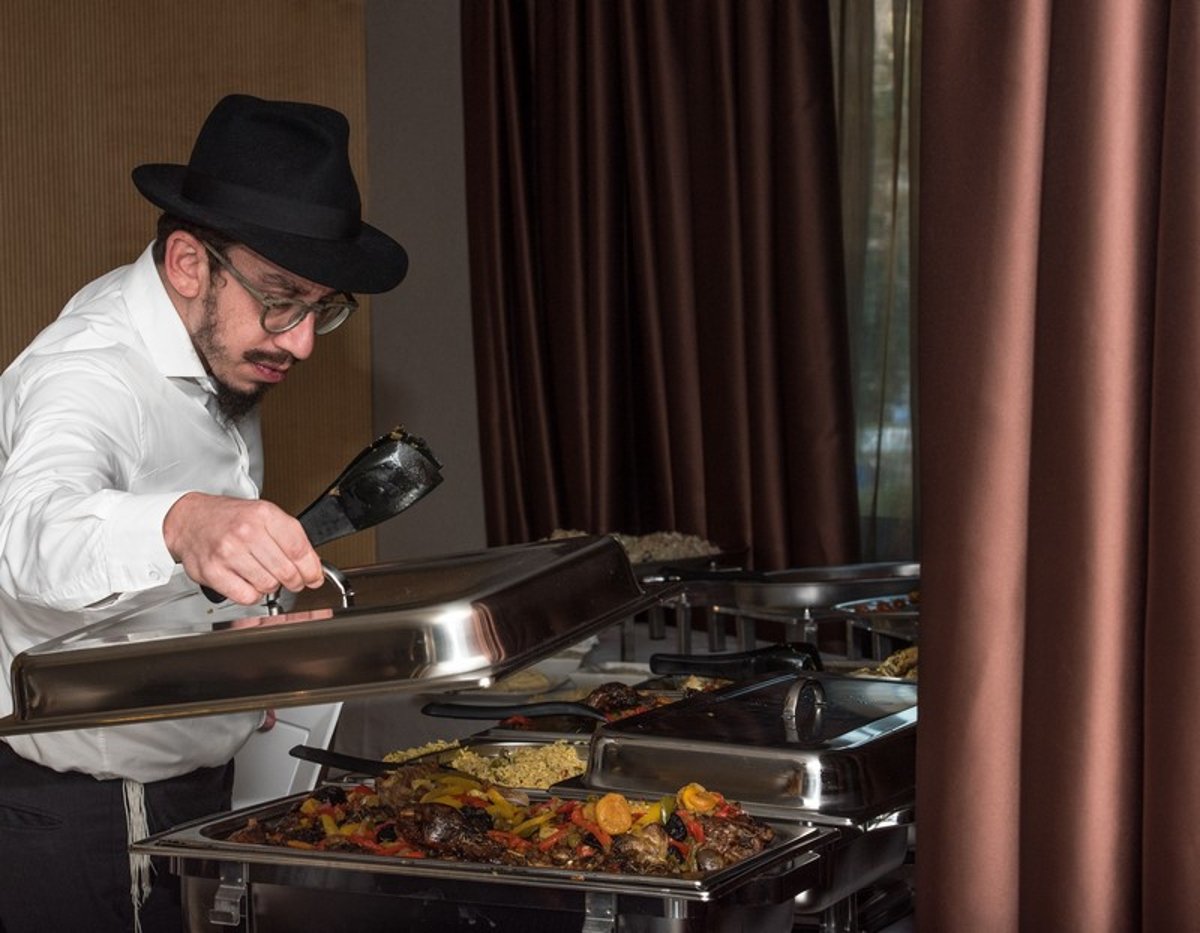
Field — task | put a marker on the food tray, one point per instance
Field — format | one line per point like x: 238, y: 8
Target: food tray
x: 207, y: 838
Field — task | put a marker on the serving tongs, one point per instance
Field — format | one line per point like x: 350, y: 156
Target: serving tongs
x: 352, y: 763
x: 741, y: 665
x: 383, y: 480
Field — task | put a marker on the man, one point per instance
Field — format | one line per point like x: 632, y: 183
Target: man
x: 130, y: 468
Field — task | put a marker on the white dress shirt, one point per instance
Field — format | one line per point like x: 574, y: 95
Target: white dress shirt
x: 105, y: 422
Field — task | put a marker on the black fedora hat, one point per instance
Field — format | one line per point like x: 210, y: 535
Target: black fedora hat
x: 276, y: 177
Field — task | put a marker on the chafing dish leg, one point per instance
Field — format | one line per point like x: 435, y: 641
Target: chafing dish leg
x: 600, y: 909
x: 628, y: 639
x: 841, y: 917
x: 716, y: 632
x: 231, y: 895
x: 657, y: 623
x: 683, y: 628
x: 747, y: 637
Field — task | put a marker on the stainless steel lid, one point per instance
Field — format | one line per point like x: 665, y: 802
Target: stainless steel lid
x: 838, y: 746
x: 786, y: 592
x: 426, y: 624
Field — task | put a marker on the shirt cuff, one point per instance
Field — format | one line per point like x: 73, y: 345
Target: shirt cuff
x: 139, y: 559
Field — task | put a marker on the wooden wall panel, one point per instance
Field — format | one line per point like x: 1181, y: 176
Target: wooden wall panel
x: 90, y: 89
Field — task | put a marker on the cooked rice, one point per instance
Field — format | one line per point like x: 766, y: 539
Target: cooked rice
x: 534, y: 766
x: 437, y: 745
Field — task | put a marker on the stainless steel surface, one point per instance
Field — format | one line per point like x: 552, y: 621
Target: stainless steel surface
x: 791, y: 591
x: 387, y: 904
x: 426, y: 624
x: 820, y: 746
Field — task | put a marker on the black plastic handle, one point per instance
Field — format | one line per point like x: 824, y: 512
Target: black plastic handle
x: 497, y: 711
x: 323, y: 756
x: 741, y: 665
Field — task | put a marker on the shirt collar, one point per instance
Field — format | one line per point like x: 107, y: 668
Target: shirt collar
x: 159, y: 323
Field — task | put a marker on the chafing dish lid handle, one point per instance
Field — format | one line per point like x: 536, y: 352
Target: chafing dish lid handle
x: 804, y: 700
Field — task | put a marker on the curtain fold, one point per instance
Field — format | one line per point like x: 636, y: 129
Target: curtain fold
x: 1057, y: 784
x: 657, y: 285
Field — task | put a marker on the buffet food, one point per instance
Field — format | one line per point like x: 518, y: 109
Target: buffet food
x: 536, y: 766
x: 656, y: 547
x: 421, y: 811
x: 902, y: 664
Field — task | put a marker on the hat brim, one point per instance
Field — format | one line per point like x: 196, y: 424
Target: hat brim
x: 370, y: 263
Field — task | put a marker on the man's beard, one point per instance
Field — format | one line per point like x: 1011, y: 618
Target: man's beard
x: 232, y: 404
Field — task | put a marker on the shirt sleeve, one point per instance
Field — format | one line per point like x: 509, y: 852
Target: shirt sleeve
x: 71, y: 532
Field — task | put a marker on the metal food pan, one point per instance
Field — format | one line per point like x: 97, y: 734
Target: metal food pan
x: 787, y: 867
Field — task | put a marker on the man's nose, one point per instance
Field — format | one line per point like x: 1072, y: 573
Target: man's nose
x: 300, y: 339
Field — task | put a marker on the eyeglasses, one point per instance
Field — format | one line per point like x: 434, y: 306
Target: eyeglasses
x: 279, y: 315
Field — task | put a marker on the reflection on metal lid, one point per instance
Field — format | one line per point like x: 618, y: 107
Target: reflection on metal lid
x: 837, y: 747
x: 427, y: 624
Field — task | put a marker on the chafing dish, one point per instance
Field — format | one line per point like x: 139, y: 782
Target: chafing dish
x: 814, y: 747
x: 833, y: 748
x: 265, y: 888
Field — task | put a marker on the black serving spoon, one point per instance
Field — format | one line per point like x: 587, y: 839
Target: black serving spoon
x: 388, y: 476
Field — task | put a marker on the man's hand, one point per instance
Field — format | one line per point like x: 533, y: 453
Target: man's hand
x: 242, y: 548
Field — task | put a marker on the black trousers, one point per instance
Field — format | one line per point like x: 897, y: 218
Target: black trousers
x: 64, y: 857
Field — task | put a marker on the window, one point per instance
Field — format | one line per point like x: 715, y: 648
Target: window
x: 873, y: 44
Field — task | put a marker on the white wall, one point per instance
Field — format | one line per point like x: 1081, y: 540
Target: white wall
x: 421, y: 333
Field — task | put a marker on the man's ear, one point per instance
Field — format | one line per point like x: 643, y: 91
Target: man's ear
x: 185, y: 264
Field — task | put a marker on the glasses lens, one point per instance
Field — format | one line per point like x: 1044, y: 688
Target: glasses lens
x: 281, y: 316
x: 332, y: 314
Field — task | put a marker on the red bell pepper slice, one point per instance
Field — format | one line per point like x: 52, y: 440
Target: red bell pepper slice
x: 550, y: 841
x: 695, y: 830
x: 509, y: 839
x: 579, y: 820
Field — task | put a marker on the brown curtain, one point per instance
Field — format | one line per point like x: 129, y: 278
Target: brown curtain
x: 657, y: 285
x: 1058, y: 772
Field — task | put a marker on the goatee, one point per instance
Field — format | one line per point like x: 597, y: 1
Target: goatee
x: 234, y: 405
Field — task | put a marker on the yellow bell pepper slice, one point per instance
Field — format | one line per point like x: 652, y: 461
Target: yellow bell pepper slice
x: 525, y: 828
x: 695, y: 798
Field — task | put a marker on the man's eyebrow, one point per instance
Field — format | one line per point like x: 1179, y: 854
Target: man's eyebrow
x: 281, y: 282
